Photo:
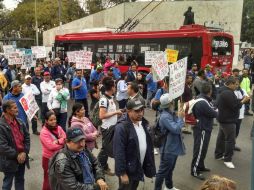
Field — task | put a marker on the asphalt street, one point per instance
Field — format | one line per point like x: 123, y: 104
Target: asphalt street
x: 182, y: 178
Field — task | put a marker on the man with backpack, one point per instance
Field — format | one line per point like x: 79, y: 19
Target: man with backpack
x: 204, y: 113
x: 108, y: 114
x: 133, y: 149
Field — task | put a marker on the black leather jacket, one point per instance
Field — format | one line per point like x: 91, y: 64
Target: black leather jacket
x: 65, y: 172
x: 8, y: 150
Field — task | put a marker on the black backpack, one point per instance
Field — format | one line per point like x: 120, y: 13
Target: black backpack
x: 159, y: 138
x: 109, y: 136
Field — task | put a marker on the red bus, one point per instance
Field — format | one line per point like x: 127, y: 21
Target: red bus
x: 200, y: 44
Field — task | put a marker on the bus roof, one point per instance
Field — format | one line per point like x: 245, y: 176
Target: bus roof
x: 184, y: 31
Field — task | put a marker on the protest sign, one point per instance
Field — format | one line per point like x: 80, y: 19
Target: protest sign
x: 71, y: 56
x: 150, y: 56
x: 14, y: 59
x: 29, y: 61
x: 8, y: 49
x: 29, y: 105
x: 160, y: 66
x: 172, y: 55
x: 83, y: 59
x: 39, y: 51
x: 177, y: 76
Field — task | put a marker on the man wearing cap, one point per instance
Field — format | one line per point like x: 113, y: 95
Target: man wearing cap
x: 79, y: 87
x: 97, y: 74
x: 132, y: 146
x: 16, y: 94
x: 74, y: 167
x: 28, y: 87
x: 46, y: 87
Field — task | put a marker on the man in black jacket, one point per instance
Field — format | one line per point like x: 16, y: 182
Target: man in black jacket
x: 14, y: 147
x: 132, y: 146
x: 74, y: 167
x: 204, y: 113
x: 229, y: 107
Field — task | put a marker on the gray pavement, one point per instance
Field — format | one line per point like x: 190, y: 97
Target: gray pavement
x: 182, y: 178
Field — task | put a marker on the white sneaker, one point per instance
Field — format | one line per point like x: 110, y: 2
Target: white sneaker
x: 171, y: 188
x: 229, y: 165
x: 155, y: 151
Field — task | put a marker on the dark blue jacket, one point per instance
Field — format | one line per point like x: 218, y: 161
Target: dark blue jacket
x: 130, y: 76
x: 204, y: 113
x: 126, y: 151
x: 58, y: 71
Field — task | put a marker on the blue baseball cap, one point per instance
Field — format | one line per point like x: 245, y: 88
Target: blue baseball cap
x: 75, y: 134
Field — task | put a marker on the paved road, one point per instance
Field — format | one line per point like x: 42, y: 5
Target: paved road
x: 182, y: 177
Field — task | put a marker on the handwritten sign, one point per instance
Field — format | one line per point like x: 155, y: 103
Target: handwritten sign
x: 8, y: 49
x: 40, y: 51
x: 29, y: 105
x: 172, y: 55
x: 71, y: 56
x: 29, y: 61
x: 14, y: 59
x: 83, y: 59
x: 160, y: 66
x: 150, y: 56
x: 177, y: 76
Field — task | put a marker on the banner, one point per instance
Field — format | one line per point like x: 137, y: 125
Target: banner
x: 40, y: 51
x: 150, y: 56
x: 8, y: 49
x: 177, y: 76
x: 160, y: 67
x: 29, y: 105
x: 14, y: 59
x: 83, y: 59
x: 172, y: 55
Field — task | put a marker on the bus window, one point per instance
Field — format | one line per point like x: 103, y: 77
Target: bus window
x: 221, y: 46
x: 110, y: 48
x: 88, y: 47
x: 75, y: 47
x: 149, y: 47
x: 102, y: 48
x: 119, y: 48
x: 129, y: 49
x: 184, y: 49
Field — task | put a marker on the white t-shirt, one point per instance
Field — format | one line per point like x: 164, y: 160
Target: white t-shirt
x: 240, y: 96
x: 110, y: 105
x: 141, y: 140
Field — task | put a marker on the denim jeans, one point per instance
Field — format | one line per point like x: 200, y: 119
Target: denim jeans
x: 150, y: 95
x: 19, y: 179
x: 63, y: 120
x: 166, y: 168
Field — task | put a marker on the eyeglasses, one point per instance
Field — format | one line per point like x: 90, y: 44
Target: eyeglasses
x: 139, y: 110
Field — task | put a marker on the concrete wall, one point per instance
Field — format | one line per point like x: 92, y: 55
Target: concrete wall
x: 167, y: 16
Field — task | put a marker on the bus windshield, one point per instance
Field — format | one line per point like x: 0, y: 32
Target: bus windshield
x: 221, y: 46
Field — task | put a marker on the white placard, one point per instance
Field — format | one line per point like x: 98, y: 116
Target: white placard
x: 71, y: 56
x: 150, y: 56
x: 40, y: 51
x: 160, y: 66
x: 177, y: 77
x: 29, y: 61
x: 29, y: 105
x: 8, y: 49
x: 14, y: 59
x: 83, y: 59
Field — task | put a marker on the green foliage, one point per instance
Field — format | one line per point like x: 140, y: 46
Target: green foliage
x: 247, y: 33
x: 94, y: 6
x: 22, y: 18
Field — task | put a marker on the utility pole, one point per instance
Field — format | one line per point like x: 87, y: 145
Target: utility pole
x: 60, y: 14
x: 36, y: 23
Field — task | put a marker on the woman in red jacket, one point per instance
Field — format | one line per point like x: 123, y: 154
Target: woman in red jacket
x: 52, y: 138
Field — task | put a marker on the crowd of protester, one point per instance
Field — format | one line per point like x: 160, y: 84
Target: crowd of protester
x: 68, y: 142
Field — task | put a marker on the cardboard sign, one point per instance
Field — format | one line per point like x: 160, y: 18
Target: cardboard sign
x: 83, y: 59
x: 39, y: 51
x: 160, y: 66
x: 172, y: 55
x: 29, y: 105
x: 150, y: 56
x: 71, y: 56
x: 177, y: 77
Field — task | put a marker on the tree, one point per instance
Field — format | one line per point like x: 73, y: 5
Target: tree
x: 247, y: 33
x: 22, y: 19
